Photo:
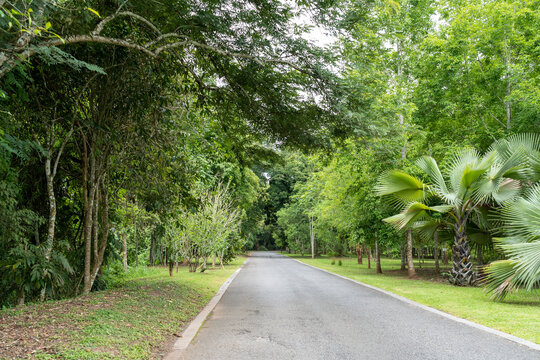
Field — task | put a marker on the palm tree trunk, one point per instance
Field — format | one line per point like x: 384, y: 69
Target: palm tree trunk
x: 462, y: 273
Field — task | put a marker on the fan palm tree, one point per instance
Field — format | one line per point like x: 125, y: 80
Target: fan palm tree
x: 521, y: 220
x: 470, y: 182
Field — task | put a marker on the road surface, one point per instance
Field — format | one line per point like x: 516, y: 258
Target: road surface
x: 277, y: 308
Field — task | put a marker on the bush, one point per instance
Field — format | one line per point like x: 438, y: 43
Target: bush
x: 339, y: 262
x: 333, y: 262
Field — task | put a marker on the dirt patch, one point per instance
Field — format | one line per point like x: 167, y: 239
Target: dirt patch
x: 428, y: 274
x: 41, y: 327
x: 55, y: 326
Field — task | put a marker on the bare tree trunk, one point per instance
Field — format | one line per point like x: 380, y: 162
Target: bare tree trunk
x: 479, y: 256
x: 436, y: 251
x: 507, y: 102
x: 444, y: 256
x: 369, y: 258
x: 52, y: 214
x: 171, y: 268
x: 95, y: 230
x: 378, y: 255
x: 403, y: 257
x: 214, y: 261
x: 359, y: 253
x: 104, y: 232
x: 124, y: 253
x: 136, y: 245
x: 89, y: 195
x: 152, y: 258
x: 312, y: 237
x: 419, y: 251
x: 410, y: 263
x: 21, y: 297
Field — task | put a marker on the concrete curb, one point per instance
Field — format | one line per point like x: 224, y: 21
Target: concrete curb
x: 513, y: 338
x: 193, y: 328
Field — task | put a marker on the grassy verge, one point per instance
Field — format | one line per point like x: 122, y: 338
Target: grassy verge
x: 137, y: 320
x: 518, y: 315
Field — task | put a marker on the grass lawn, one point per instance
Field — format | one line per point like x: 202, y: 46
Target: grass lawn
x: 136, y: 320
x: 518, y: 315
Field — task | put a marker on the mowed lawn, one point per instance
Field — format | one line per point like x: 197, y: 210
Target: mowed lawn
x: 136, y: 320
x: 518, y: 315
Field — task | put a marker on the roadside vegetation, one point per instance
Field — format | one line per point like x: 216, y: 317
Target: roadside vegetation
x: 136, y: 318
x: 519, y: 315
x: 156, y: 133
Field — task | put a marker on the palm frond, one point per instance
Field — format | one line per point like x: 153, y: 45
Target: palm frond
x: 431, y: 168
x: 414, y: 212
x: 521, y: 246
x: 402, y: 186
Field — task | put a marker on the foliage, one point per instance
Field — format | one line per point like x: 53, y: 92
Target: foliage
x: 521, y: 269
x: 471, y: 182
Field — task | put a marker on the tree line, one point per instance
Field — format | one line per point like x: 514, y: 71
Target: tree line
x: 129, y: 130
x: 444, y: 153
x: 145, y: 133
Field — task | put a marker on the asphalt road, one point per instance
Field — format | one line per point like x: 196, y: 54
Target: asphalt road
x: 277, y: 308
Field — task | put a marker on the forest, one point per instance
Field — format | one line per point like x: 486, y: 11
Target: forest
x: 183, y: 133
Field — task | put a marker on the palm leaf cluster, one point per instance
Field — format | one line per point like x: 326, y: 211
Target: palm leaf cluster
x: 470, y: 184
x: 521, y: 269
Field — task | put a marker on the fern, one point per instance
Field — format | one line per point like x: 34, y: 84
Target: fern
x: 55, y: 56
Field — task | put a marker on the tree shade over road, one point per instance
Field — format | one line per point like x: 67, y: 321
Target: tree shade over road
x: 279, y: 309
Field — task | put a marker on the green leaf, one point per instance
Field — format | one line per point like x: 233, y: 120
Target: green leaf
x: 94, y: 11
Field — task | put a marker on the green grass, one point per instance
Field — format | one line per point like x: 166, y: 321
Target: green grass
x: 136, y: 320
x: 518, y: 315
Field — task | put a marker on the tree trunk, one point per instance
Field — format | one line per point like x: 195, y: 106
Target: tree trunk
x: 462, y: 273
x: 312, y: 237
x: 378, y: 255
x: 369, y: 258
x: 89, y: 195
x: 479, y: 256
x: 171, y: 268
x: 95, y: 230
x: 359, y: 253
x: 21, y: 297
x: 221, y: 256
x: 124, y: 253
x: 136, y: 246
x: 436, y: 251
x: 444, y: 256
x: 104, y: 231
x: 152, y: 258
x: 419, y: 251
x: 410, y: 263
x: 52, y: 214
x: 403, y: 261
x: 214, y: 261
